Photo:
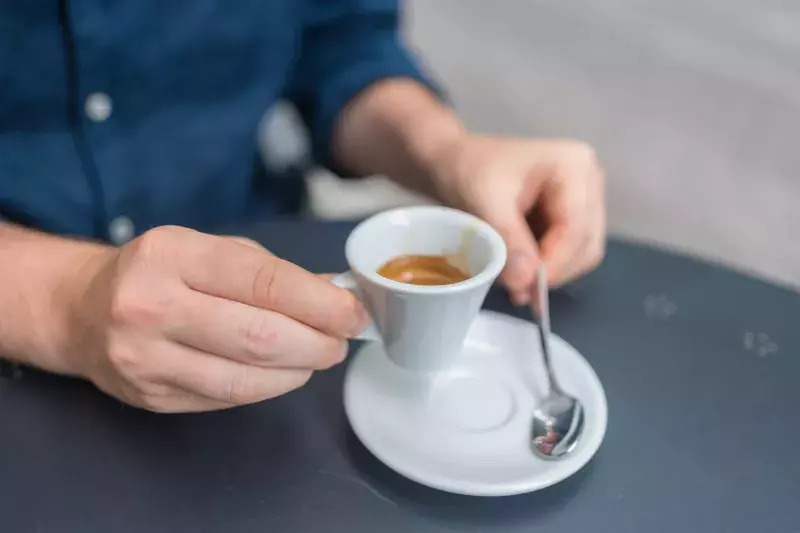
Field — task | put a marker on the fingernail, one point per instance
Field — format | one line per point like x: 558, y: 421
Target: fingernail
x: 361, y: 320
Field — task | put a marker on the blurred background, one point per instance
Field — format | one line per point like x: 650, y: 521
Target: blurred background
x: 693, y: 106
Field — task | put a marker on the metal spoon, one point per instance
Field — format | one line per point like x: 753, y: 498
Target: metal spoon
x: 558, y: 419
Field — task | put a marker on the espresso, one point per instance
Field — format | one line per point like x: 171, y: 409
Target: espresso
x: 422, y: 270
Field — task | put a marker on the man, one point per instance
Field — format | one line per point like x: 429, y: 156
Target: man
x: 118, y: 117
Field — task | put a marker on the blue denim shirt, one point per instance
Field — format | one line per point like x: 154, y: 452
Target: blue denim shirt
x: 146, y: 111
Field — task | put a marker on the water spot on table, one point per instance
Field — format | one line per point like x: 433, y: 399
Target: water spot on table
x: 759, y: 343
x: 659, y: 307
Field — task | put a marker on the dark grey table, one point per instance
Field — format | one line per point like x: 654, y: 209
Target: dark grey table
x: 701, y: 367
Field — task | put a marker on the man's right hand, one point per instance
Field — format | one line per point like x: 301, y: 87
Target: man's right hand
x: 183, y: 321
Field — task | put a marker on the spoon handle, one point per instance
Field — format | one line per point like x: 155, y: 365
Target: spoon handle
x: 544, y: 325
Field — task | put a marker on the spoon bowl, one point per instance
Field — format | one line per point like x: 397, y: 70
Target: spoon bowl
x: 558, y: 420
x: 557, y: 425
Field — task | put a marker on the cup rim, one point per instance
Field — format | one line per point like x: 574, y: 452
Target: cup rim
x: 487, y: 275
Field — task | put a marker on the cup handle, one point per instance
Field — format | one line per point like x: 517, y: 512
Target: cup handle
x: 346, y: 281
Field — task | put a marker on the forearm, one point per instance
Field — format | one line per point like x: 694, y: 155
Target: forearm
x: 40, y: 276
x: 399, y: 129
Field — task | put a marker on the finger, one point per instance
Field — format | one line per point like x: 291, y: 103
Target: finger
x: 252, y: 335
x: 177, y: 401
x: 145, y: 390
x: 247, y: 242
x: 523, y: 254
x: 579, y: 247
x: 222, y: 380
x: 560, y: 246
x: 189, y: 403
x: 561, y: 257
x: 586, y: 261
x: 591, y: 252
x: 229, y: 270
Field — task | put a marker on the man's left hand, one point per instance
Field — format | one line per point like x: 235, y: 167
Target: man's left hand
x: 545, y: 197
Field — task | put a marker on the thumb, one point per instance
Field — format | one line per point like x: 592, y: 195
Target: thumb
x: 523, y: 255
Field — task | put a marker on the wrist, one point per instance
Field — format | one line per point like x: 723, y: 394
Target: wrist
x: 435, y: 144
x: 72, y: 321
x: 41, y: 277
x: 399, y: 129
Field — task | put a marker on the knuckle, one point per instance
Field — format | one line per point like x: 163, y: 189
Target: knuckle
x: 151, y: 241
x: 134, y: 368
x: 245, y: 388
x: 595, y: 255
x: 247, y: 242
x: 302, y: 378
x: 264, y: 292
x: 600, y: 177
x: 593, y: 263
x: 124, y: 358
x: 333, y: 353
x: 298, y: 379
x: 155, y: 403
x: 284, y: 381
x: 599, y: 253
x: 133, y: 304
x: 164, y: 234
x: 340, y: 316
x: 582, y: 158
x: 584, y: 152
x: 152, y: 395
x: 259, y: 338
x: 153, y: 389
x: 240, y: 389
x: 156, y: 244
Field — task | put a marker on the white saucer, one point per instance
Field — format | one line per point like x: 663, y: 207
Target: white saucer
x: 467, y: 431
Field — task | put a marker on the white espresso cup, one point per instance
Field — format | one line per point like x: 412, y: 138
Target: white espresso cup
x: 422, y: 327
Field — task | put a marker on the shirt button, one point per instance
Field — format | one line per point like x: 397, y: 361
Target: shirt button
x: 98, y: 107
x: 121, y: 230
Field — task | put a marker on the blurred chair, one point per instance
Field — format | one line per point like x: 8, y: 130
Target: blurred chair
x: 285, y: 146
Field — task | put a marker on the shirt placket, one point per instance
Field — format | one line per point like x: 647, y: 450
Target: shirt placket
x: 95, y: 128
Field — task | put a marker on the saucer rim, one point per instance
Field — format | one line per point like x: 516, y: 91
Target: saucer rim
x: 483, y: 489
